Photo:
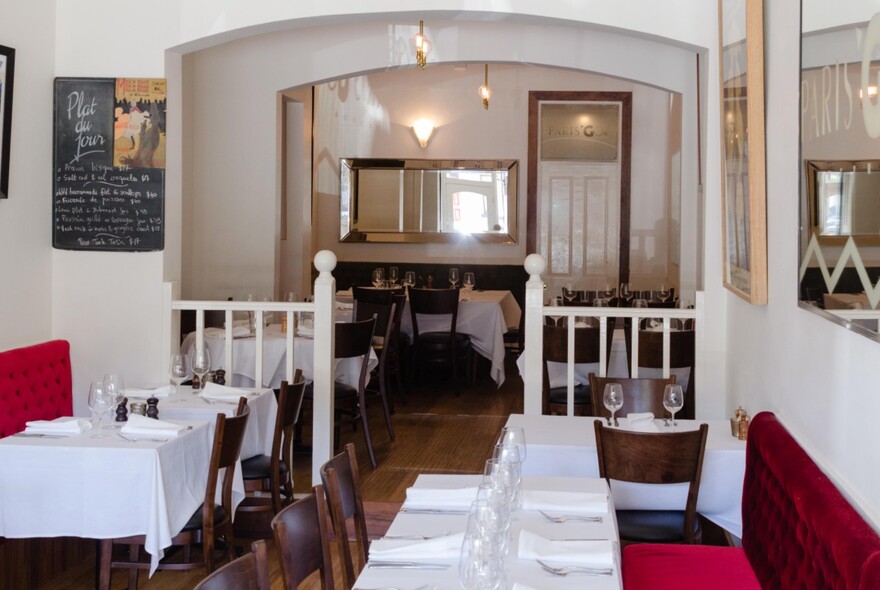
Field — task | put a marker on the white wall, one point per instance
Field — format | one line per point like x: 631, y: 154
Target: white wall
x: 25, y: 217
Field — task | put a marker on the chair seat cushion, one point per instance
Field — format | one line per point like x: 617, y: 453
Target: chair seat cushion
x: 559, y: 395
x: 653, y: 526
x: 195, y: 521
x: 259, y: 467
x: 687, y: 567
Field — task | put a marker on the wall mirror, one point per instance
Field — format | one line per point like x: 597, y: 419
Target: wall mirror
x: 419, y: 201
x: 840, y: 174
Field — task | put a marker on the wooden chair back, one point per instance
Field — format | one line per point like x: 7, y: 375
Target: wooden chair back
x: 343, y: 487
x: 354, y: 339
x: 248, y: 572
x: 303, y: 541
x: 433, y: 302
x: 656, y: 458
x: 639, y: 395
x: 290, y: 400
x: 682, y: 354
x: 586, y: 351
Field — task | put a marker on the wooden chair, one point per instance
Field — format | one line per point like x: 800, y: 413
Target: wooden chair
x: 384, y: 312
x: 271, y: 472
x: 342, y: 484
x: 656, y: 458
x: 248, y: 572
x: 303, y: 541
x: 353, y: 339
x: 444, y: 348
x: 586, y: 350
x: 210, y: 523
x: 681, y: 356
x: 639, y: 395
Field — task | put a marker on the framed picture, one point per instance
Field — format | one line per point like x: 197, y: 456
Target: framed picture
x: 7, y: 70
x: 741, y: 54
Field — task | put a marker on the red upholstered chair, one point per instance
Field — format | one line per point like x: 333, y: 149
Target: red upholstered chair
x: 35, y: 384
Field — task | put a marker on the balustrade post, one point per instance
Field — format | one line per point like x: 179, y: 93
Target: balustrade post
x: 534, y: 335
x: 323, y: 404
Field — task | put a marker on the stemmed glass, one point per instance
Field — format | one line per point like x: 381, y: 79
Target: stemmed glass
x: 625, y: 293
x: 469, y: 281
x: 514, y: 435
x: 453, y: 277
x: 201, y: 364
x: 663, y: 293
x: 100, y: 400
x: 608, y: 293
x: 178, y: 373
x: 673, y: 400
x: 481, y: 566
x: 409, y: 278
x: 554, y: 302
x: 378, y: 277
x: 115, y: 387
x: 392, y: 275
x: 568, y: 292
x: 613, y: 400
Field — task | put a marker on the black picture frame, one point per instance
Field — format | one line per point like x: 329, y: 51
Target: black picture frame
x: 7, y: 75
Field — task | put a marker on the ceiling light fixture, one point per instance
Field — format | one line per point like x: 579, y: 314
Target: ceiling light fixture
x: 484, y: 91
x: 423, y: 46
x: 423, y: 128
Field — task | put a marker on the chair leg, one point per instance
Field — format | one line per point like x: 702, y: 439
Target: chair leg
x: 364, y: 422
x: 104, y: 569
x: 134, y: 556
x: 385, y: 404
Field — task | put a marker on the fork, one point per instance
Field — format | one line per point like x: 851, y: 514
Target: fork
x: 565, y: 517
x: 417, y: 537
x: 575, y: 569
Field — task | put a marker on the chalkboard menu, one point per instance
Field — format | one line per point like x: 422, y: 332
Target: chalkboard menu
x: 109, y: 177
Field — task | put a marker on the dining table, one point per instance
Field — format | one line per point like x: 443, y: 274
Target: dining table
x: 415, y: 524
x: 274, y: 357
x: 566, y: 446
x: 108, y: 487
x: 485, y: 316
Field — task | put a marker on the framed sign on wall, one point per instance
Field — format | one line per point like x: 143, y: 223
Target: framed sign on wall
x: 7, y: 71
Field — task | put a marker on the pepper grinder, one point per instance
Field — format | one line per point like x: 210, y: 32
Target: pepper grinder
x: 153, y: 408
x: 122, y: 410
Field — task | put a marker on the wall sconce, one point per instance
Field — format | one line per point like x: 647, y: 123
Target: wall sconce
x: 484, y: 91
x: 873, y: 91
x: 423, y: 46
x: 423, y: 128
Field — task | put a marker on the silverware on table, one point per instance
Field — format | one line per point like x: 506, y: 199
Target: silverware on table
x: 39, y: 435
x: 407, y: 565
x: 431, y: 511
x: 425, y: 587
x: 565, y: 570
x: 416, y: 537
x: 565, y: 517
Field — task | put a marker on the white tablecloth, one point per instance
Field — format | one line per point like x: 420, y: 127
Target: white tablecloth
x: 521, y: 571
x: 103, y: 488
x: 261, y: 422
x: 484, y: 316
x: 274, y: 356
x: 566, y: 445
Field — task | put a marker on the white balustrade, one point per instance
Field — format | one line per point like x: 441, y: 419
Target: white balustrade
x: 536, y: 311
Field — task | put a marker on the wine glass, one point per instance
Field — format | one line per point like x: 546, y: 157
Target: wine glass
x: 178, y: 373
x: 115, y: 387
x: 514, y: 435
x: 554, y: 302
x: 663, y: 293
x: 469, y: 281
x: 673, y: 400
x: 392, y: 275
x: 625, y: 293
x: 608, y: 292
x: 409, y: 278
x: 613, y: 400
x: 568, y: 292
x: 291, y: 297
x: 378, y: 277
x: 100, y: 400
x: 201, y: 364
x: 453, y: 277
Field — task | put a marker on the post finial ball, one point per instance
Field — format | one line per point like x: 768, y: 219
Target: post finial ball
x: 325, y: 261
x: 535, y: 264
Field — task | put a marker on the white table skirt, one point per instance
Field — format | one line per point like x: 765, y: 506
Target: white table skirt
x: 274, y: 357
x: 566, y: 445
x: 484, y: 316
x: 261, y: 422
x: 103, y: 488
x: 523, y: 572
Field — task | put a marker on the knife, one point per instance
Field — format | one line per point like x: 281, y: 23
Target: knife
x: 406, y: 565
x: 431, y: 511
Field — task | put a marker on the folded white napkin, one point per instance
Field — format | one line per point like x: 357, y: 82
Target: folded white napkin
x: 452, y: 498
x: 642, y: 422
x: 598, y: 553
x: 444, y: 547
x: 568, y: 502
x: 305, y: 331
x: 63, y: 426
x: 159, y: 392
x: 521, y: 586
x: 138, y: 425
x: 217, y: 392
x: 237, y: 332
x: 343, y: 304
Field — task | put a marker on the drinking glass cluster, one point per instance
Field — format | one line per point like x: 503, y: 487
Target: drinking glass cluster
x: 487, y: 538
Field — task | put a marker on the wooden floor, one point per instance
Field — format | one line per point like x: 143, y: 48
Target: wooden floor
x: 437, y: 432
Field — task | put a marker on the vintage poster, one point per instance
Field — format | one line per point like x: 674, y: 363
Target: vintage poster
x: 139, y: 123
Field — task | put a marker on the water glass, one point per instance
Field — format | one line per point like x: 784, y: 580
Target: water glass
x: 453, y: 277
x: 613, y: 400
x: 481, y: 566
x: 201, y: 364
x: 177, y: 372
x: 508, y: 472
x: 673, y: 400
x: 115, y: 387
x: 514, y: 435
x: 569, y: 292
x: 409, y: 278
x: 100, y: 401
x: 392, y: 275
x: 469, y: 281
x: 378, y: 277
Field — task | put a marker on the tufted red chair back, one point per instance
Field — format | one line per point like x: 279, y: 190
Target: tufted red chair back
x: 798, y: 529
x: 35, y: 384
